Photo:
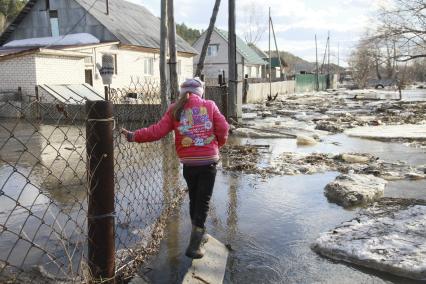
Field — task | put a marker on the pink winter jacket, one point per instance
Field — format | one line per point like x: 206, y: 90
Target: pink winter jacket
x: 200, y: 132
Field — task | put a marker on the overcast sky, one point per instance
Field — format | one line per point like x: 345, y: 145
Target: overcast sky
x: 296, y: 22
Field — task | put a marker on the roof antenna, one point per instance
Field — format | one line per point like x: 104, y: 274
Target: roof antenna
x: 107, y: 7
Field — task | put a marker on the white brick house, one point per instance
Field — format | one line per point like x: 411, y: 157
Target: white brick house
x: 127, y: 31
x: 37, y: 66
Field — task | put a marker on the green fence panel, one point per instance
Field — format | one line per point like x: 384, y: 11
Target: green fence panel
x: 307, y: 82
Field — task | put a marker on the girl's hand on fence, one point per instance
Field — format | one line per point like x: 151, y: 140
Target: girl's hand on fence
x: 129, y: 135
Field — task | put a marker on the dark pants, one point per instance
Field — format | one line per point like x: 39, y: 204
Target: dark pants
x: 200, y: 181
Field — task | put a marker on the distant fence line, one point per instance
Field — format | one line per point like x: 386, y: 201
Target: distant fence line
x: 260, y: 88
x: 259, y: 92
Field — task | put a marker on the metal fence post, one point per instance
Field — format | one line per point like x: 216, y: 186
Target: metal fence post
x: 37, y: 96
x: 100, y: 172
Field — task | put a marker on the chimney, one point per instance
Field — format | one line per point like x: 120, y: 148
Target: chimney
x: 107, y: 7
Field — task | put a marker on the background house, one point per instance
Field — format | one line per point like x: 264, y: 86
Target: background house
x: 62, y: 42
x: 275, y: 63
x: 248, y: 61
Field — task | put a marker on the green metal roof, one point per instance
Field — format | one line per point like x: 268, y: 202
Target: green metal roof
x: 249, y: 54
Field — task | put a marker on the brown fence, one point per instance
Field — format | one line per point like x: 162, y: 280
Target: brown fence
x: 218, y: 94
x: 52, y: 168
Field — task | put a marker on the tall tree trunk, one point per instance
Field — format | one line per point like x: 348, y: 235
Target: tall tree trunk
x: 377, y: 65
x: 163, y: 56
x: 174, y: 86
x: 2, y: 22
x: 209, y: 32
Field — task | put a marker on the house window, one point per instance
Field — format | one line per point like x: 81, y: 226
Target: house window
x: 88, y: 76
x: 179, y: 67
x: 148, y: 66
x: 88, y: 60
x: 47, y: 2
x: 54, y: 23
x: 212, y: 49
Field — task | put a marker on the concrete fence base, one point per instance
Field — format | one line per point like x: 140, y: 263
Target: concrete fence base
x: 258, y: 92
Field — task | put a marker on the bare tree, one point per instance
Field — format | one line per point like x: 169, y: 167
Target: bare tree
x: 255, y: 22
x: 383, y: 52
x: 405, y: 21
x: 362, y: 64
x: 209, y: 32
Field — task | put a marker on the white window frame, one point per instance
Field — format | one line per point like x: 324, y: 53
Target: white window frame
x: 54, y: 22
x: 212, y: 50
x: 148, y: 66
x: 179, y: 67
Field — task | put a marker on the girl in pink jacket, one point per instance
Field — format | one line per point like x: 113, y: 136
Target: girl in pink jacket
x: 200, y: 130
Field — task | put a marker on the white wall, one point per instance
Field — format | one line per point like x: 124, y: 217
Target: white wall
x: 18, y: 72
x: 36, y: 69
x: 59, y: 70
x: 31, y: 70
x: 258, y: 92
x: 130, y: 64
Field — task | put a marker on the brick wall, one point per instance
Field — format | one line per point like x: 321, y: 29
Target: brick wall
x: 36, y: 69
x: 18, y: 72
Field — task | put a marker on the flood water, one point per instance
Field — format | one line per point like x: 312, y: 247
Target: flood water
x: 271, y: 223
x: 43, y: 195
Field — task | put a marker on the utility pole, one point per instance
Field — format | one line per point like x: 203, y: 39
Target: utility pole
x: 276, y: 46
x: 172, y: 51
x: 316, y: 60
x: 270, y: 58
x: 232, y: 67
x: 328, y: 64
x: 338, y: 54
x: 163, y: 56
x: 324, y: 56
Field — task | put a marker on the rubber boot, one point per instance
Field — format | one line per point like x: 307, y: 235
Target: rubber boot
x: 198, y: 238
x: 205, y: 236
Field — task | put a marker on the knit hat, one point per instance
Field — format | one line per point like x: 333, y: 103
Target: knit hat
x: 194, y: 86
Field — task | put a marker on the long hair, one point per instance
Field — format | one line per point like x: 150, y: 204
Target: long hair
x: 178, y: 107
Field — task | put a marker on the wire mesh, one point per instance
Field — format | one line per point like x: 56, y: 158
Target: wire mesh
x: 44, y: 185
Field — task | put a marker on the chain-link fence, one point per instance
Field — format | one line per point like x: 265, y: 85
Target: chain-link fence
x: 47, y: 186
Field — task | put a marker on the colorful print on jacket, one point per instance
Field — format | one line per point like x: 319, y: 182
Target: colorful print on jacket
x: 194, y: 125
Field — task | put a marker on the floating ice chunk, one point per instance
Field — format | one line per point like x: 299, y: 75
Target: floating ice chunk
x: 354, y: 189
x: 389, y: 240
